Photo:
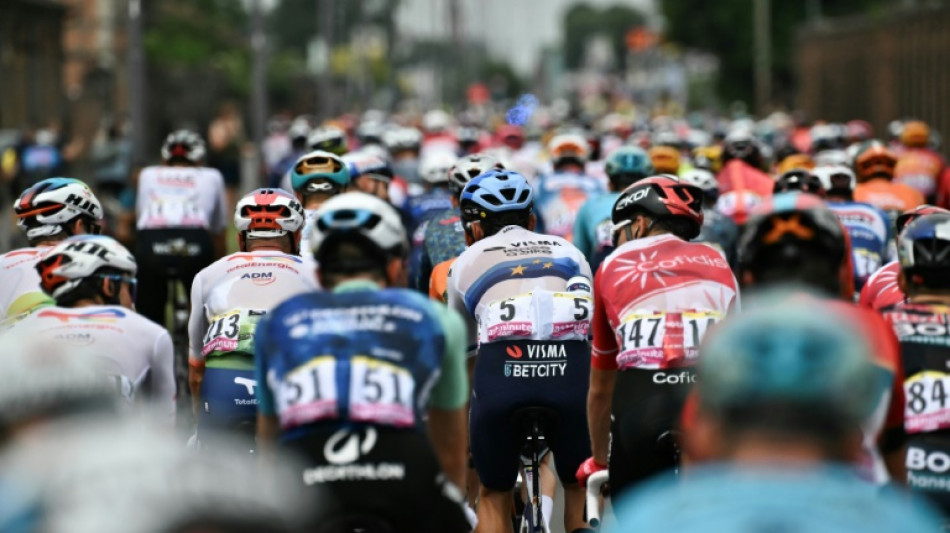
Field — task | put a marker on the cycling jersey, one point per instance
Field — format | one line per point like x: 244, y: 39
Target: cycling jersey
x: 868, y: 228
x: 527, y: 300
x: 181, y: 197
x: 139, y: 349
x: 419, y: 212
x: 925, y: 344
x: 558, y: 198
x: 439, y: 281
x: 361, y: 358
x: 720, y: 232
x: 592, y: 228
x: 741, y: 187
x: 881, y: 289
x: 20, y: 292
x: 920, y: 169
x: 444, y: 239
x: 892, y: 198
x: 654, y: 299
x: 228, y: 300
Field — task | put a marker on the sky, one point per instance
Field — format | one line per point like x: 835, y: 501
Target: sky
x: 515, y: 30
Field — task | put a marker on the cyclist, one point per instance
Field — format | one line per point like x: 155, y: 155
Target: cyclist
x: 444, y: 237
x: 920, y: 167
x: 560, y: 195
x: 47, y: 213
x: 866, y: 225
x: 742, y: 184
x: 526, y: 297
x: 665, y: 159
x: 654, y: 298
x: 800, y: 180
x: 229, y: 297
x: 329, y: 139
x: 920, y: 323
x: 315, y: 178
x: 404, y: 145
x: 881, y: 289
x: 298, y: 132
x: 795, y: 238
x: 369, y: 173
x: 624, y: 166
x: 181, y: 220
x: 364, y: 435
x: 874, y: 169
x: 92, y: 279
x: 717, y: 230
x: 782, y: 389
x: 436, y: 197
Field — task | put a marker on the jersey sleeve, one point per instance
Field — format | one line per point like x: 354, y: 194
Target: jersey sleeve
x: 163, y: 375
x: 581, y: 233
x: 451, y: 391
x: 219, y: 220
x: 197, y: 324
x: 265, y: 396
x: 456, y: 301
x: 604, y: 349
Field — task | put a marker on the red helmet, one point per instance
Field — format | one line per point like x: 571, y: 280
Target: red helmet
x: 659, y: 196
x: 913, y: 214
x: 511, y: 136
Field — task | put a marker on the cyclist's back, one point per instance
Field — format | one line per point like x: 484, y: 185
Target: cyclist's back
x: 867, y: 227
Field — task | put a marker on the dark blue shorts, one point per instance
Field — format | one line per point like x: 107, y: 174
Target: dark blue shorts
x: 515, y: 375
x: 227, y: 398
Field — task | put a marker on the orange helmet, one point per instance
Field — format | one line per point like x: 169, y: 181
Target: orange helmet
x: 665, y: 159
x: 874, y: 159
x: 915, y: 134
x: 801, y: 161
x: 569, y: 146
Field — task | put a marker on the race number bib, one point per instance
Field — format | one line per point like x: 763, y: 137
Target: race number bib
x: 654, y: 339
x: 537, y: 315
x: 381, y: 392
x: 927, y: 406
x: 231, y: 332
x: 171, y: 211
x: 308, y: 393
x: 866, y: 263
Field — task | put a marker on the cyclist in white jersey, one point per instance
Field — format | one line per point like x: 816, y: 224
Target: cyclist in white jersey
x: 230, y: 296
x: 47, y: 213
x: 315, y: 178
x: 527, y: 300
x: 92, y: 279
x: 181, y: 219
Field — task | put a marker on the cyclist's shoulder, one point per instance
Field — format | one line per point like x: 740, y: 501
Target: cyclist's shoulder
x: 21, y: 257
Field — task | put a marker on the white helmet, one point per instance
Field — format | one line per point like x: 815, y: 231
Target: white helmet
x: 268, y: 213
x: 700, y: 178
x: 835, y: 177
x: 44, y: 208
x: 67, y: 264
x: 436, y: 121
x: 184, y: 144
x: 434, y: 167
x: 569, y: 146
x: 470, y: 166
x: 361, y: 214
x: 398, y: 139
x: 329, y: 139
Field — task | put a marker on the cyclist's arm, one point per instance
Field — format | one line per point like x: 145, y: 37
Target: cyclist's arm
x: 162, y: 378
x: 448, y: 420
x: 197, y: 326
x: 268, y: 426
x: 603, y: 374
x: 456, y: 302
x: 581, y: 234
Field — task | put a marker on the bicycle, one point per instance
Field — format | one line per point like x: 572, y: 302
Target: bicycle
x: 537, y: 425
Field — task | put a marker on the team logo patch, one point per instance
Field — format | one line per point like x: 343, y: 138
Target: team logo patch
x: 260, y: 278
x: 514, y: 351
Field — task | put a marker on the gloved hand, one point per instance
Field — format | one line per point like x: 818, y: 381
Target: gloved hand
x: 587, y: 469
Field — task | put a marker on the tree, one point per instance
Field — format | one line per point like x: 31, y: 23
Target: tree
x: 582, y: 22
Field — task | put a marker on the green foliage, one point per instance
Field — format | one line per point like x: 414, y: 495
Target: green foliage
x: 726, y: 29
x: 583, y: 22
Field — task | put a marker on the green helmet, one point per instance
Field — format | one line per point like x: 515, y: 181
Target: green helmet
x: 319, y: 165
x: 629, y: 162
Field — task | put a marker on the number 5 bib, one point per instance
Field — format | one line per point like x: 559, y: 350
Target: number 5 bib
x: 537, y: 315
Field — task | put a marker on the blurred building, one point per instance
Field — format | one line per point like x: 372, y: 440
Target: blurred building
x: 31, y: 61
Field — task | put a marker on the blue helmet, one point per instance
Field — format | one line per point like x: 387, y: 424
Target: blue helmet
x: 319, y: 165
x: 495, y: 191
x: 629, y: 160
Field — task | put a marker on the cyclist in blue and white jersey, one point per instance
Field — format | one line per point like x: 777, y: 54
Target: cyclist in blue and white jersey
x: 867, y: 225
x: 436, y: 197
x: 592, y: 228
x: 228, y: 299
x: 47, y: 213
x: 527, y: 299
x: 355, y: 377
x: 560, y: 195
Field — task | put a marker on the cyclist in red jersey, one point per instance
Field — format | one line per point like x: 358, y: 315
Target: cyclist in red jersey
x: 742, y: 184
x: 920, y: 167
x: 795, y: 238
x: 881, y: 289
x: 654, y: 298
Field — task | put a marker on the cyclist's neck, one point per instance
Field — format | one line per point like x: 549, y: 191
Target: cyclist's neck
x: 88, y: 302
x: 752, y: 451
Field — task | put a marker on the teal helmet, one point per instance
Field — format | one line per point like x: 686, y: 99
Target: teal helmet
x: 627, y: 165
x: 788, y: 348
x: 319, y: 165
